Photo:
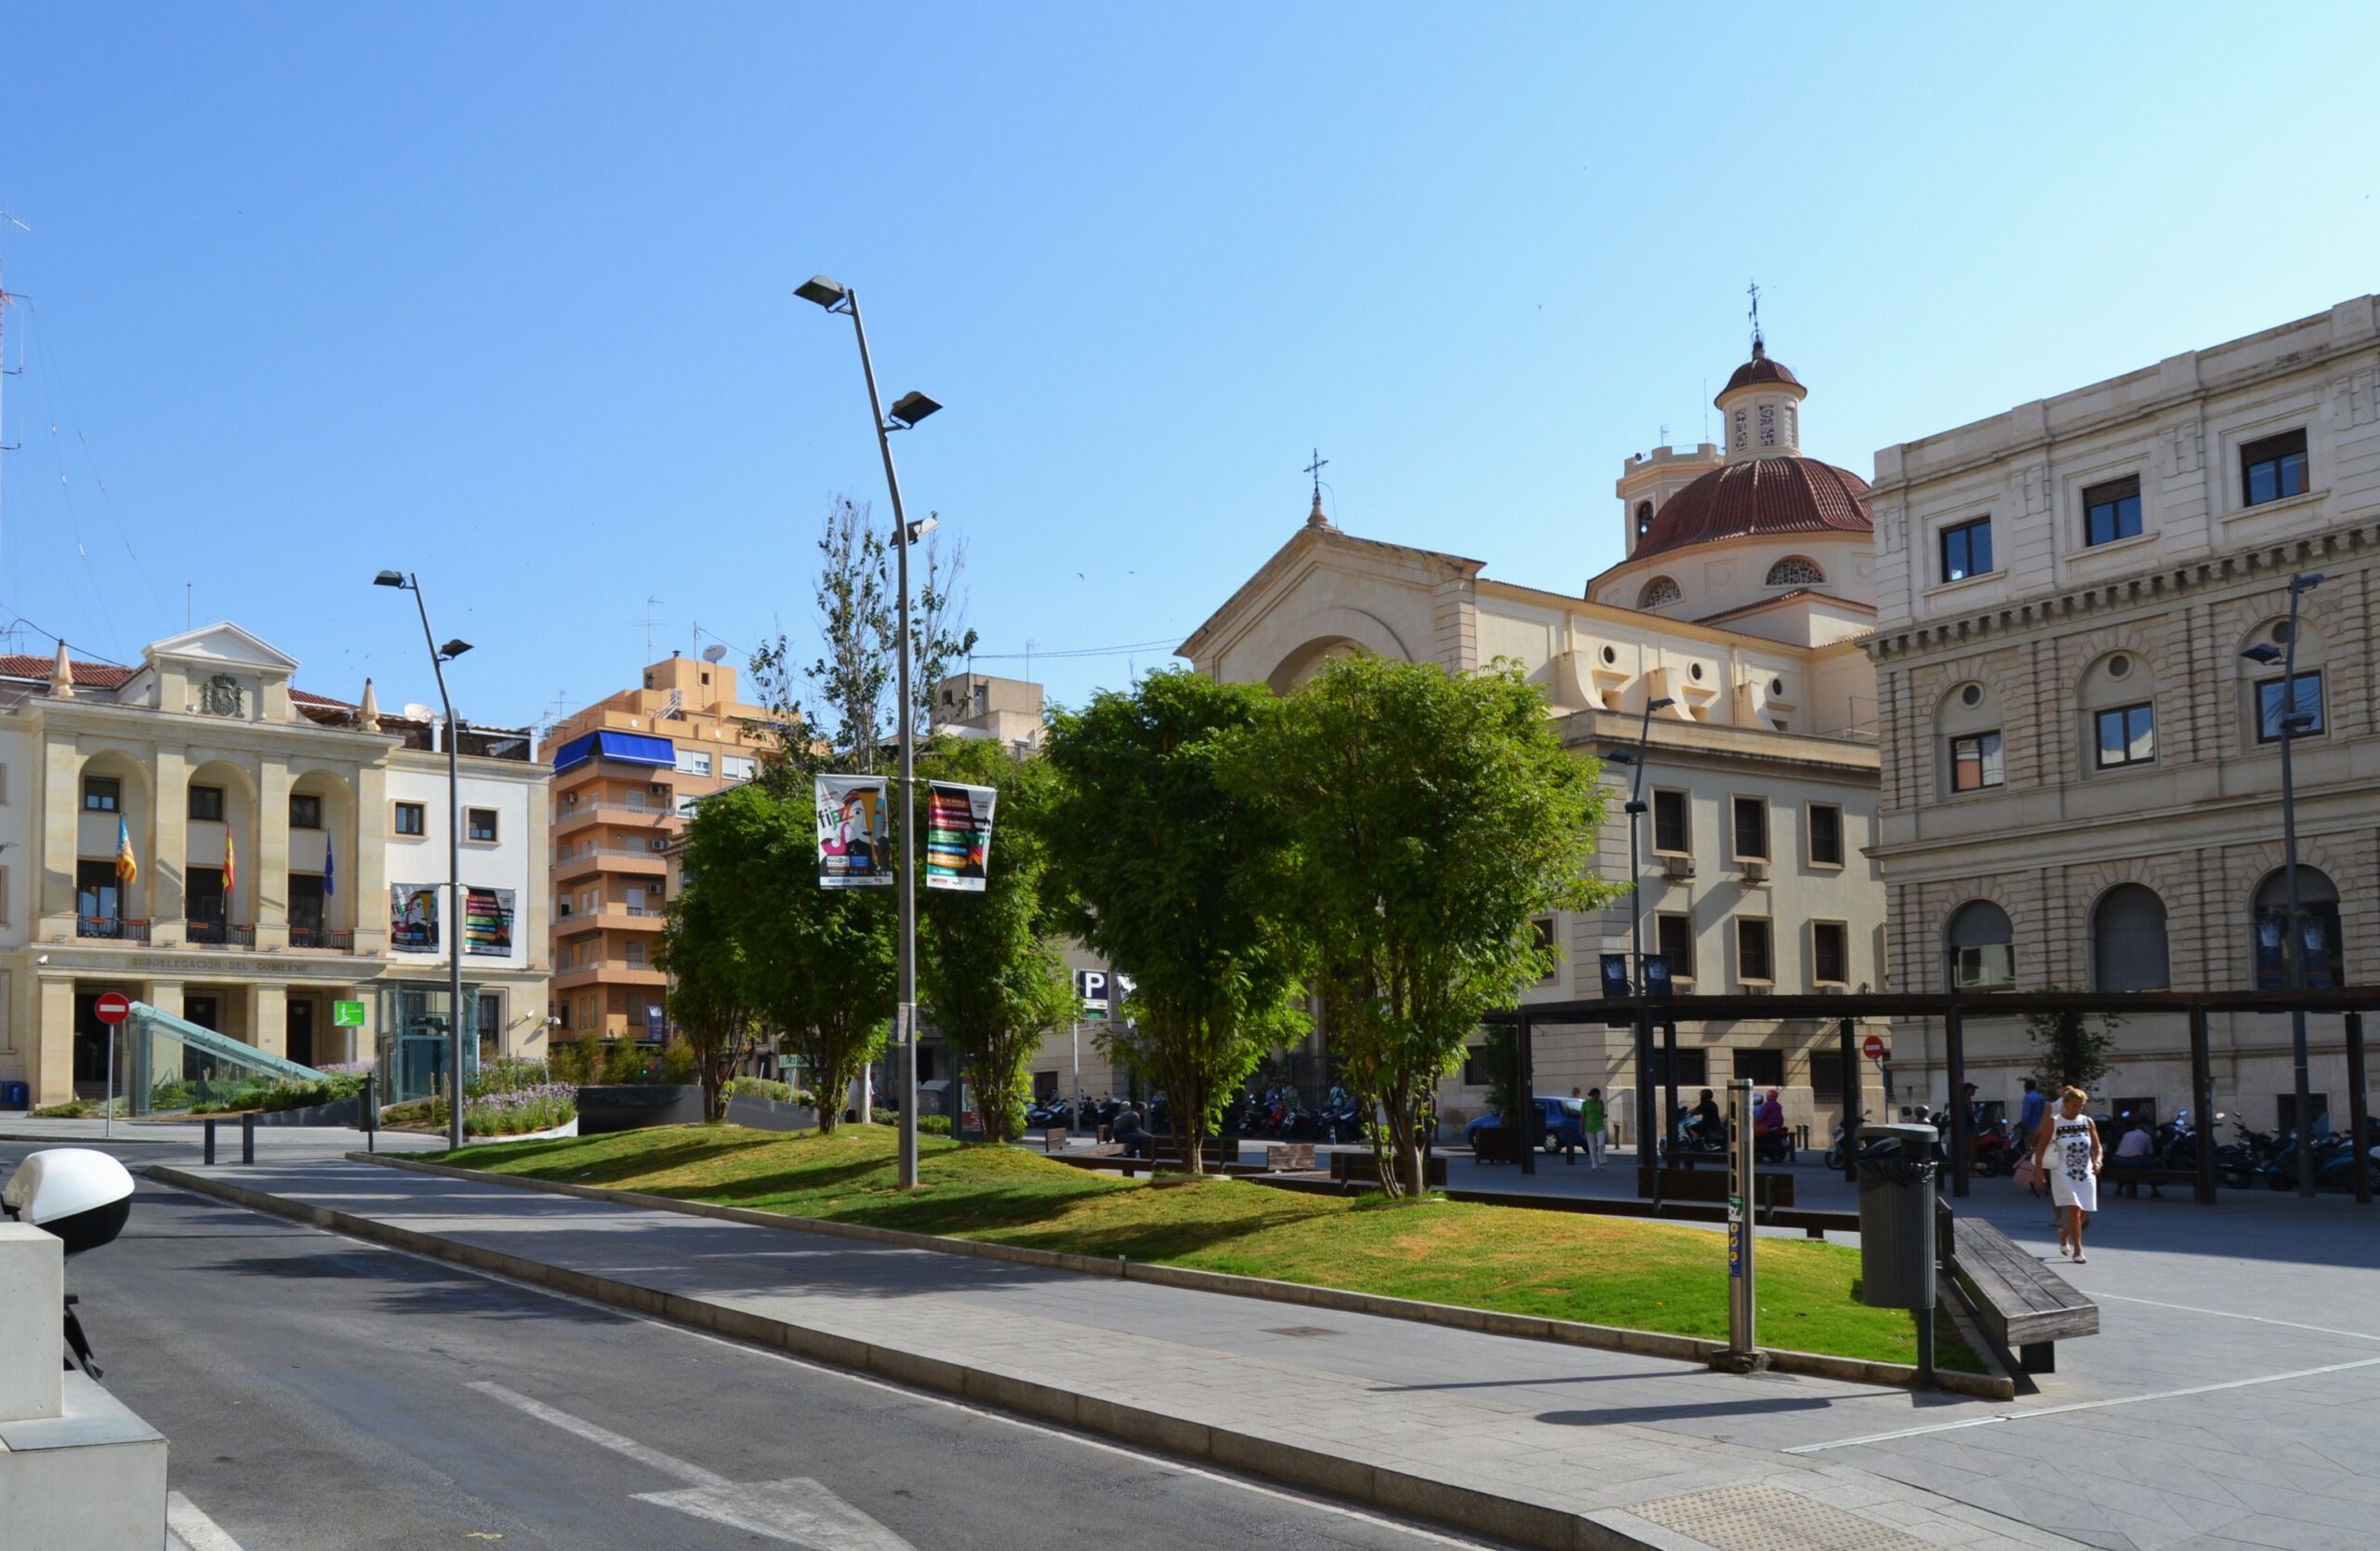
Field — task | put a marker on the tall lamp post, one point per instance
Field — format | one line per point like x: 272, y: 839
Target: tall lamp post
x: 907, y: 412
x: 438, y: 657
x: 1635, y: 809
x: 2292, y: 964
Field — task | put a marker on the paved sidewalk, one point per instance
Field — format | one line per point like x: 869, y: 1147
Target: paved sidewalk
x: 1554, y: 1445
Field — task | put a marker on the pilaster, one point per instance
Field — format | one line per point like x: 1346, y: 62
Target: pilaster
x: 269, y: 1018
x: 273, y: 780
x: 60, y: 845
x: 167, y: 870
x: 369, y: 908
x: 53, y: 1067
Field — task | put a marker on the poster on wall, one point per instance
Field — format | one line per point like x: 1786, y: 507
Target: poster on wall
x: 413, y: 918
x: 958, y: 835
x: 855, y: 830
x: 487, y: 921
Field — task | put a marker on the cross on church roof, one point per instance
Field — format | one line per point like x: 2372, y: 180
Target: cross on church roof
x: 1752, y: 290
x: 1315, y: 469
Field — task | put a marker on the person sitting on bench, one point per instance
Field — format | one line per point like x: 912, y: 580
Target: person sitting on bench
x: 2136, y: 1151
x: 1131, y: 1133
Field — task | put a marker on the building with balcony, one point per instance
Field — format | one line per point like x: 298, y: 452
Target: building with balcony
x: 627, y: 773
x: 2082, y: 607
x: 197, y: 834
x: 1737, y: 609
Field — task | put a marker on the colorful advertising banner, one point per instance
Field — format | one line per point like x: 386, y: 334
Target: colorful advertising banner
x: 413, y: 918
x: 958, y: 835
x: 487, y: 921
x: 855, y: 833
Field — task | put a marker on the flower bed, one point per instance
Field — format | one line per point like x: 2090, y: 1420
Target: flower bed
x: 540, y: 1106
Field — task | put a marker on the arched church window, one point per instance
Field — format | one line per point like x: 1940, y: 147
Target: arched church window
x: 2128, y: 940
x: 1644, y: 518
x: 1796, y: 571
x: 1660, y: 590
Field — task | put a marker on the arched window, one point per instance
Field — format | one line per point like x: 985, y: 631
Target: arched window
x: 1644, y: 518
x: 2118, y: 701
x: 1796, y: 571
x: 1966, y: 736
x: 1982, y: 947
x: 1659, y: 591
x: 2318, y: 930
x: 2128, y: 940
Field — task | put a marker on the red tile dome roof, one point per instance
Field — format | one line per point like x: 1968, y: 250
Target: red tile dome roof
x: 1760, y: 369
x: 1760, y: 496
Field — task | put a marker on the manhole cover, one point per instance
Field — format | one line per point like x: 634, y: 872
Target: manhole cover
x: 1301, y: 1330
x: 1770, y: 1518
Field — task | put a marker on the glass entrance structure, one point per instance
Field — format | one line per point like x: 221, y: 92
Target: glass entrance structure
x: 168, y: 1064
x: 414, y: 1023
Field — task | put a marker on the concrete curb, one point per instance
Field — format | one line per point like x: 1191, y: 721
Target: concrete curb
x: 1568, y: 1332
x: 1414, y: 1496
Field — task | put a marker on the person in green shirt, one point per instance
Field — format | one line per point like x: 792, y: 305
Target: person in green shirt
x: 1591, y: 1123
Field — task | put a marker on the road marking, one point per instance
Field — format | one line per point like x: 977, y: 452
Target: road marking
x: 798, y: 1511
x: 189, y: 1529
x: 2081, y: 1405
x: 2227, y: 1314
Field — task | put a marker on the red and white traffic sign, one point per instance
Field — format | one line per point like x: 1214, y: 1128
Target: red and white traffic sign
x: 1873, y: 1047
x: 114, y: 1007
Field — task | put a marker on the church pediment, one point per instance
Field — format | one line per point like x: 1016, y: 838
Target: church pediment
x: 222, y: 645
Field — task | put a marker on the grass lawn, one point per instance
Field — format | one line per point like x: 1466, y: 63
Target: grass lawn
x: 1570, y: 1266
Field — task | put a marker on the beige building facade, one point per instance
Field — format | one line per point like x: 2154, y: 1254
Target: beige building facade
x: 1745, y: 586
x: 2081, y: 771
x: 287, y: 850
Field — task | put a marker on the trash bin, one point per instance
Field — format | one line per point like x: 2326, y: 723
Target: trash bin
x: 1897, y: 1216
x: 16, y: 1095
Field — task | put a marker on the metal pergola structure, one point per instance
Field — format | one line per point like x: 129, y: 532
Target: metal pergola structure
x: 1645, y: 1014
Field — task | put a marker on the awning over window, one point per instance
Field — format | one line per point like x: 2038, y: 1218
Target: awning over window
x: 627, y: 747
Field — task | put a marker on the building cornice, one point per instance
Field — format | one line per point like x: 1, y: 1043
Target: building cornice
x: 1712, y: 740
x: 1639, y: 623
x: 147, y: 723
x: 1308, y: 548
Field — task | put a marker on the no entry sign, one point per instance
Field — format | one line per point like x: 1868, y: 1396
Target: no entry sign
x: 1873, y: 1047
x: 114, y: 1007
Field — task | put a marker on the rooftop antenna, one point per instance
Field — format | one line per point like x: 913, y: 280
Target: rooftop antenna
x: 1665, y: 433
x: 714, y: 652
x: 8, y: 297
x: 1706, y: 406
x: 1028, y: 660
x: 649, y: 624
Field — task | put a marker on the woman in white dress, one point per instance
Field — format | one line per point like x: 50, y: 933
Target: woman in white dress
x: 2069, y: 1155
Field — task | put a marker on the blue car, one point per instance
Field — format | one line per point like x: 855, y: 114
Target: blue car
x: 1560, y: 1121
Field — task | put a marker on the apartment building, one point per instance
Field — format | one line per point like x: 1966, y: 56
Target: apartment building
x: 627, y: 773
x: 2081, y: 606
x: 196, y: 833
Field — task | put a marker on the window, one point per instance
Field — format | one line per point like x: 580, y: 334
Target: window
x: 2112, y: 512
x: 636, y: 960
x: 1752, y: 828
x: 1671, y: 836
x: 1826, y: 835
x: 1974, y: 762
x: 206, y: 802
x: 2273, y: 468
x: 98, y: 898
x: 1796, y: 571
x: 479, y: 824
x: 1763, y: 1068
x: 1753, y: 963
x: 1542, y: 929
x: 2127, y: 736
x: 1673, y: 940
x: 739, y: 767
x: 693, y: 762
x: 305, y: 811
x: 1693, y: 1068
x: 2318, y: 931
x: 1660, y: 590
x: 1474, y: 1066
x: 1644, y: 518
x: 1966, y: 550
x: 1981, y: 947
x: 412, y: 819
x: 1830, y: 953
x: 2306, y: 712
x: 1826, y: 1075
x: 102, y: 794
x: 2128, y: 940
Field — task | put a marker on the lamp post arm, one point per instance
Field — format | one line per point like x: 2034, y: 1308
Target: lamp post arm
x: 453, y: 926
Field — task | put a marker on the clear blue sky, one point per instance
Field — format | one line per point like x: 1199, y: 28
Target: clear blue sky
x: 500, y: 294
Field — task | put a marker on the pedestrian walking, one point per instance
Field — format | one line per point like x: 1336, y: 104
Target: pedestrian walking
x: 2029, y: 1117
x: 1591, y: 1126
x: 2074, y: 1171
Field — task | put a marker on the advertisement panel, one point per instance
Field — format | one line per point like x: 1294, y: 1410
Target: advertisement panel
x: 413, y: 918
x: 487, y: 921
x: 855, y: 833
x: 958, y: 835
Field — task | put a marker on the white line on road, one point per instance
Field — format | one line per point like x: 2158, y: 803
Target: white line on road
x: 2081, y: 1405
x: 2227, y: 1314
x: 189, y: 1529
x: 668, y: 1465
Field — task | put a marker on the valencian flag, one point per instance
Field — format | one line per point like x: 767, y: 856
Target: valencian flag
x: 958, y: 835
x: 126, y: 870
x: 854, y: 845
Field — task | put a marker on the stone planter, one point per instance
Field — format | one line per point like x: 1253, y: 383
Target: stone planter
x: 636, y: 1106
x: 762, y: 1114
x: 347, y: 1112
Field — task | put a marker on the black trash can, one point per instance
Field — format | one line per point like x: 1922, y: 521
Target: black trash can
x: 1897, y: 1216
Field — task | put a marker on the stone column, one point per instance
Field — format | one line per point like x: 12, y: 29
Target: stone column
x: 53, y: 1041
x: 272, y: 884
x: 369, y: 878
x: 61, y: 808
x: 166, y: 873
x: 269, y: 1018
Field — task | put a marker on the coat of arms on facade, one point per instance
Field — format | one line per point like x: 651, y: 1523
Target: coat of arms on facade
x: 220, y: 695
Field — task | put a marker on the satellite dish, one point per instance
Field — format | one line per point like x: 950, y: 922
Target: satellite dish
x: 416, y: 711
x: 713, y: 654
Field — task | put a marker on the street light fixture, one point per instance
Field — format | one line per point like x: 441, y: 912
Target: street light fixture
x: 1635, y: 807
x: 438, y: 657
x: 906, y: 411
x: 2292, y: 964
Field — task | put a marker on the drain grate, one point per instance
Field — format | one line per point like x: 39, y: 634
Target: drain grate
x: 1300, y: 1330
x: 1770, y: 1518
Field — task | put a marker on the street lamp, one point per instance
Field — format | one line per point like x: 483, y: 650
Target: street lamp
x: 906, y: 411
x: 2293, y: 970
x: 1634, y: 810
x: 438, y: 657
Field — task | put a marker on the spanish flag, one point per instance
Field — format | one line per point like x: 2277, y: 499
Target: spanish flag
x: 126, y: 870
x: 231, y: 867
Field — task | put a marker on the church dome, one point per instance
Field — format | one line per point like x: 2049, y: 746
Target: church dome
x: 1757, y: 497
x: 1760, y: 370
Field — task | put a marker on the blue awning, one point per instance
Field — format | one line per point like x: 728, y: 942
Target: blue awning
x: 627, y: 747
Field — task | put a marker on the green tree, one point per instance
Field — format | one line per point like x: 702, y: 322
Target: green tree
x: 817, y: 963
x: 710, y: 989
x: 2071, y: 1048
x: 987, y: 969
x: 1435, y: 815
x: 1178, y: 879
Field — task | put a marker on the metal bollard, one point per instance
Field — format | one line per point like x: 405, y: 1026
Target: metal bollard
x: 367, y: 1114
x: 210, y: 1140
x: 249, y: 1138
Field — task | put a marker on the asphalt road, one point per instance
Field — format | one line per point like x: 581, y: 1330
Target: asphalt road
x: 320, y: 1393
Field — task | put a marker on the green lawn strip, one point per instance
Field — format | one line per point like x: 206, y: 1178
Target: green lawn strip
x: 1570, y: 1266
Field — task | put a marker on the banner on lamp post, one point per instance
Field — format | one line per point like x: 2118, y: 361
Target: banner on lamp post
x: 958, y: 835
x: 855, y: 833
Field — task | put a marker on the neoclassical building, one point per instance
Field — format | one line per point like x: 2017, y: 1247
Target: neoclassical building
x: 285, y: 854
x: 1744, y: 585
x: 2082, y: 771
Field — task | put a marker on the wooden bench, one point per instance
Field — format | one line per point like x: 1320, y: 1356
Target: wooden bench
x: 1054, y: 1138
x: 1768, y: 1190
x: 2025, y: 1307
x: 1289, y: 1158
x: 2127, y: 1180
x: 1213, y: 1153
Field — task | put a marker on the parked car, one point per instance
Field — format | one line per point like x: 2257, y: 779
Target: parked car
x: 1557, y: 1126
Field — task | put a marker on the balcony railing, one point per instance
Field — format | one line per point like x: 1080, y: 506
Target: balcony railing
x: 216, y: 934
x: 583, y: 851
x: 112, y: 928
x: 338, y: 939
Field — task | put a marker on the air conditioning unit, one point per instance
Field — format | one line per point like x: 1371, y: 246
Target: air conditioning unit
x: 1835, y: 990
x: 658, y: 842
x: 1756, y: 873
x: 1677, y: 868
x: 658, y: 790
